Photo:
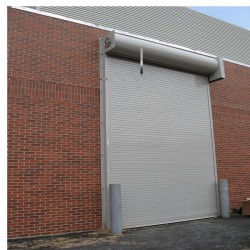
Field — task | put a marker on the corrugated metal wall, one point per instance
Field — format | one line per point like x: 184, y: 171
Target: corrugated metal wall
x: 176, y: 25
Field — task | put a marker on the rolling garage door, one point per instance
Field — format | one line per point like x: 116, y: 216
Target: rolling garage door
x: 159, y: 142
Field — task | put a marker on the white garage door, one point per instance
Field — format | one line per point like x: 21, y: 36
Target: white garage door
x: 159, y: 143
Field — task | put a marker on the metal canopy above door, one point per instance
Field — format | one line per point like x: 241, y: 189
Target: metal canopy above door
x: 166, y: 55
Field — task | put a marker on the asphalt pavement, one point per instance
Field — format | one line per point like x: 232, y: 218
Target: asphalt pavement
x: 214, y: 233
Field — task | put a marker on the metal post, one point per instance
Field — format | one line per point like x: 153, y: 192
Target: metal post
x: 224, y: 199
x: 115, y: 209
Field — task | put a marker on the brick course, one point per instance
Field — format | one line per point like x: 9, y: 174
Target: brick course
x: 231, y: 118
x: 53, y: 126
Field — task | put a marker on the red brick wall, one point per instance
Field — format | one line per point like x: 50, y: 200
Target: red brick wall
x: 53, y: 126
x: 231, y: 118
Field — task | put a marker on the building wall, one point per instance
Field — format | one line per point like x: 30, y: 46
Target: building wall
x: 54, y: 132
x: 231, y: 118
x: 53, y: 126
x: 171, y: 24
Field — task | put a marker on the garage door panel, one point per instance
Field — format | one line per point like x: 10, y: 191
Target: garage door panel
x: 160, y: 143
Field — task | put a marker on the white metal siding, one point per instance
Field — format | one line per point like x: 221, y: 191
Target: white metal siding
x: 160, y: 145
x: 177, y: 25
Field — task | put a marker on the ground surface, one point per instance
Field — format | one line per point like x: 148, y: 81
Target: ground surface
x: 228, y: 234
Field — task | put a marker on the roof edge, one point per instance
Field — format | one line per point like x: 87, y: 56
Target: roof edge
x: 37, y: 11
